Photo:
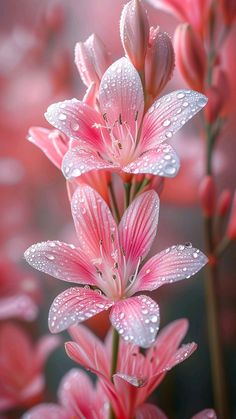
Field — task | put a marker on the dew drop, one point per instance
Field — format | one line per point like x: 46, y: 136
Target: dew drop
x: 50, y: 257
x: 180, y: 95
x: 74, y: 125
x: 170, y: 170
x: 62, y: 117
x: 166, y: 123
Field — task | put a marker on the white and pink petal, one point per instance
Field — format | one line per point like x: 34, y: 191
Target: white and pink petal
x: 75, y: 305
x: 149, y: 411
x: 171, y: 265
x: 136, y: 319
x: 137, y: 229
x: 79, y: 121
x: 168, y: 114
x: 121, y: 95
x: 80, y: 160
x: 161, y: 161
x: 95, y: 226
x: 61, y: 260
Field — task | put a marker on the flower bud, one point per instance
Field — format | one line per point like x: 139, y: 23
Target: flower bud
x: 91, y: 59
x: 228, y: 8
x: 134, y: 32
x: 214, y: 105
x: 207, y: 195
x: 159, y: 63
x: 223, y: 203
x: 191, y: 56
x: 231, y: 229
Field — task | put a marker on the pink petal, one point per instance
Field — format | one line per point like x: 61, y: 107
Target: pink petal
x: 170, y: 265
x: 76, y: 393
x: 168, y: 114
x: 136, y: 320
x: 181, y: 355
x: 121, y: 94
x: 62, y: 261
x: 161, y: 161
x: 90, y: 351
x: 78, y: 161
x: 53, y: 143
x: 77, y: 120
x: 137, y: 228
x: 95, y: 226
x: 21, y: 306
x: 46, y: 410
x: 74, y: 306
x: 149, y: 411
x: 205, y: 414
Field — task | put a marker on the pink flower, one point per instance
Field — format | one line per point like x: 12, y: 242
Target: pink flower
x: 78, y: 398
x: 21, y: 366
x: 137, y: 374
x: 108, y: 259
x: 18, y: 292
x: 120, y: 137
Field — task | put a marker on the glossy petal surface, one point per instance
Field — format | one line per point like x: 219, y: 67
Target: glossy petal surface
x: 74, y: 306
x: 136, y: 320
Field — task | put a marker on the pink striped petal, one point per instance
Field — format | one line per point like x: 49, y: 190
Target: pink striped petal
x: 170, y: 265
x: 149, y: 411
x: 53, y: 143
x: 137, y: 228
x: 78, y: 161
x: 161, y: 161
x: 136, y: 319
x: 95, y: 226
x: 46, y: 410
x: 205, y: 414
x: 76, y: 394
x: 21, y: 306
x: 61, y: 260
x: 74, y: 306
x: 77, y: 120
x: 90, y: 351
x: 181, y: 355
x: 168, y: 114
x: 121, y: 94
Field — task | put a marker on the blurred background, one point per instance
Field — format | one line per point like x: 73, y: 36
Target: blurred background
x: 37, y: 68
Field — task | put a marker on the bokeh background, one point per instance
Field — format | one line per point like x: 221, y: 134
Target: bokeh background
x: 37, y: 68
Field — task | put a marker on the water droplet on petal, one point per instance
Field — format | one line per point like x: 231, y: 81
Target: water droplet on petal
x: 62, y: 117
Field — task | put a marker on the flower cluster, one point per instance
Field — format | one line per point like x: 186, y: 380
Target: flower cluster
x: 117, y: 138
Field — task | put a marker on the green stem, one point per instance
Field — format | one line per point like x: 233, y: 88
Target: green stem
x: 114, y: 360
x: 127, y: 187
x: 217, y: 369
x: 114, y: 205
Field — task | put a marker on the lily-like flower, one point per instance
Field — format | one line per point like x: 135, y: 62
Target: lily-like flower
x: 121, y: 137
x: 137, y: 375
x: 107, y: 262
x: 21, y: 366
x: 78, y: 398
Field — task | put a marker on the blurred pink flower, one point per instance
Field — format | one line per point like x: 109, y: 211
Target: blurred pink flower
x: 18, y: 292
x: 21, y: 366
x: 78, y: 398
x: 137, y: 374
x: 108, y: 258
x: 121, y: 137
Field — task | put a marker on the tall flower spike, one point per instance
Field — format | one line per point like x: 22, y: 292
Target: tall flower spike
x: 108, y: 259
x: 134, y: 30
x: 121, y: 137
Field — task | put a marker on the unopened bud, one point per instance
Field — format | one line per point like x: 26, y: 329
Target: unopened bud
x: 90, y: 95
x: 159, y: 63
x: 223, y: 203
x: 231, y: 229
x: 207, y: 195
x: 191, y: 56
x: 134, y: 32
x: 91, y: 59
